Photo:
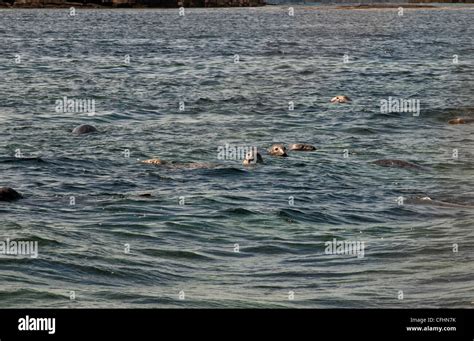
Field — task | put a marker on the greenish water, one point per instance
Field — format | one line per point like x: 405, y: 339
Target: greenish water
x: 191, y: 247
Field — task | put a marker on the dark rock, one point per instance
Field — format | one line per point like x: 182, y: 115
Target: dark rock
x: 9, y: 194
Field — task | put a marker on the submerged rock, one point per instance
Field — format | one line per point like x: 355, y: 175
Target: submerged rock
x: 396, y: 163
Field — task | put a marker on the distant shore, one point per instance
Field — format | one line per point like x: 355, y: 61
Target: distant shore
x: 383, y: 6
x: 109, y: 4
x: 404, y: 5
x: 129, y: 3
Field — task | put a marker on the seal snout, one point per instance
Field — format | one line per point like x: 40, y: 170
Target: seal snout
x: 9, y: 194
x: 277, y: 150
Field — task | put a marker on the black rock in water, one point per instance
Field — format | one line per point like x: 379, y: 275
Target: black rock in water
x: 9, y: 194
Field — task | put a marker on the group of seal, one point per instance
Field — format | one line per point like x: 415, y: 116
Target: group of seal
x: 249, y: 159
x: 255, y: 157
x: 252, y: 157
x: 280, y: 149
x: 276, y: 150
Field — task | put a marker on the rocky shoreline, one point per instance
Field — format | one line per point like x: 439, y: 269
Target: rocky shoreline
x: 128, y: 3
x: 412, y: 4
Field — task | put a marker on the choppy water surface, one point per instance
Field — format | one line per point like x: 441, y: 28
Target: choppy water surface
x: 190, y: 247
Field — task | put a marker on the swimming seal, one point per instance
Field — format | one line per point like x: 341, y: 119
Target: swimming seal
x: 155, y: 162
x: 251, y: 158
x: 428, y: 201
x: 277, y: 150
x: 396, y: 163
x: 340, y: 99
x: 9, y: 194
x: 461, y: 120
x: 302, y: 147
x: 181, y: 165
x: 84, y: 129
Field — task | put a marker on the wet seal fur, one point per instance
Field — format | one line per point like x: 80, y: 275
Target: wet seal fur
x: 461, y: 120
x: 9, y: 194
x: 181, y: 165
x: 84, y: 129
x: 155, y: 162
x: 397, y: 163
x: 303, y: 147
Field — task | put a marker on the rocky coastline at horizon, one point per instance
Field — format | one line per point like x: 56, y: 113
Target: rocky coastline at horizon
x: 343, y: 4
x: 128, y: 3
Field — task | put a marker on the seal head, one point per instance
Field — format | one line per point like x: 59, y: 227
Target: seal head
x: 84, y: 129
x: 252, y: 158
x: 9, y: 194
x: 277, y: 150
x: 340, y: 99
